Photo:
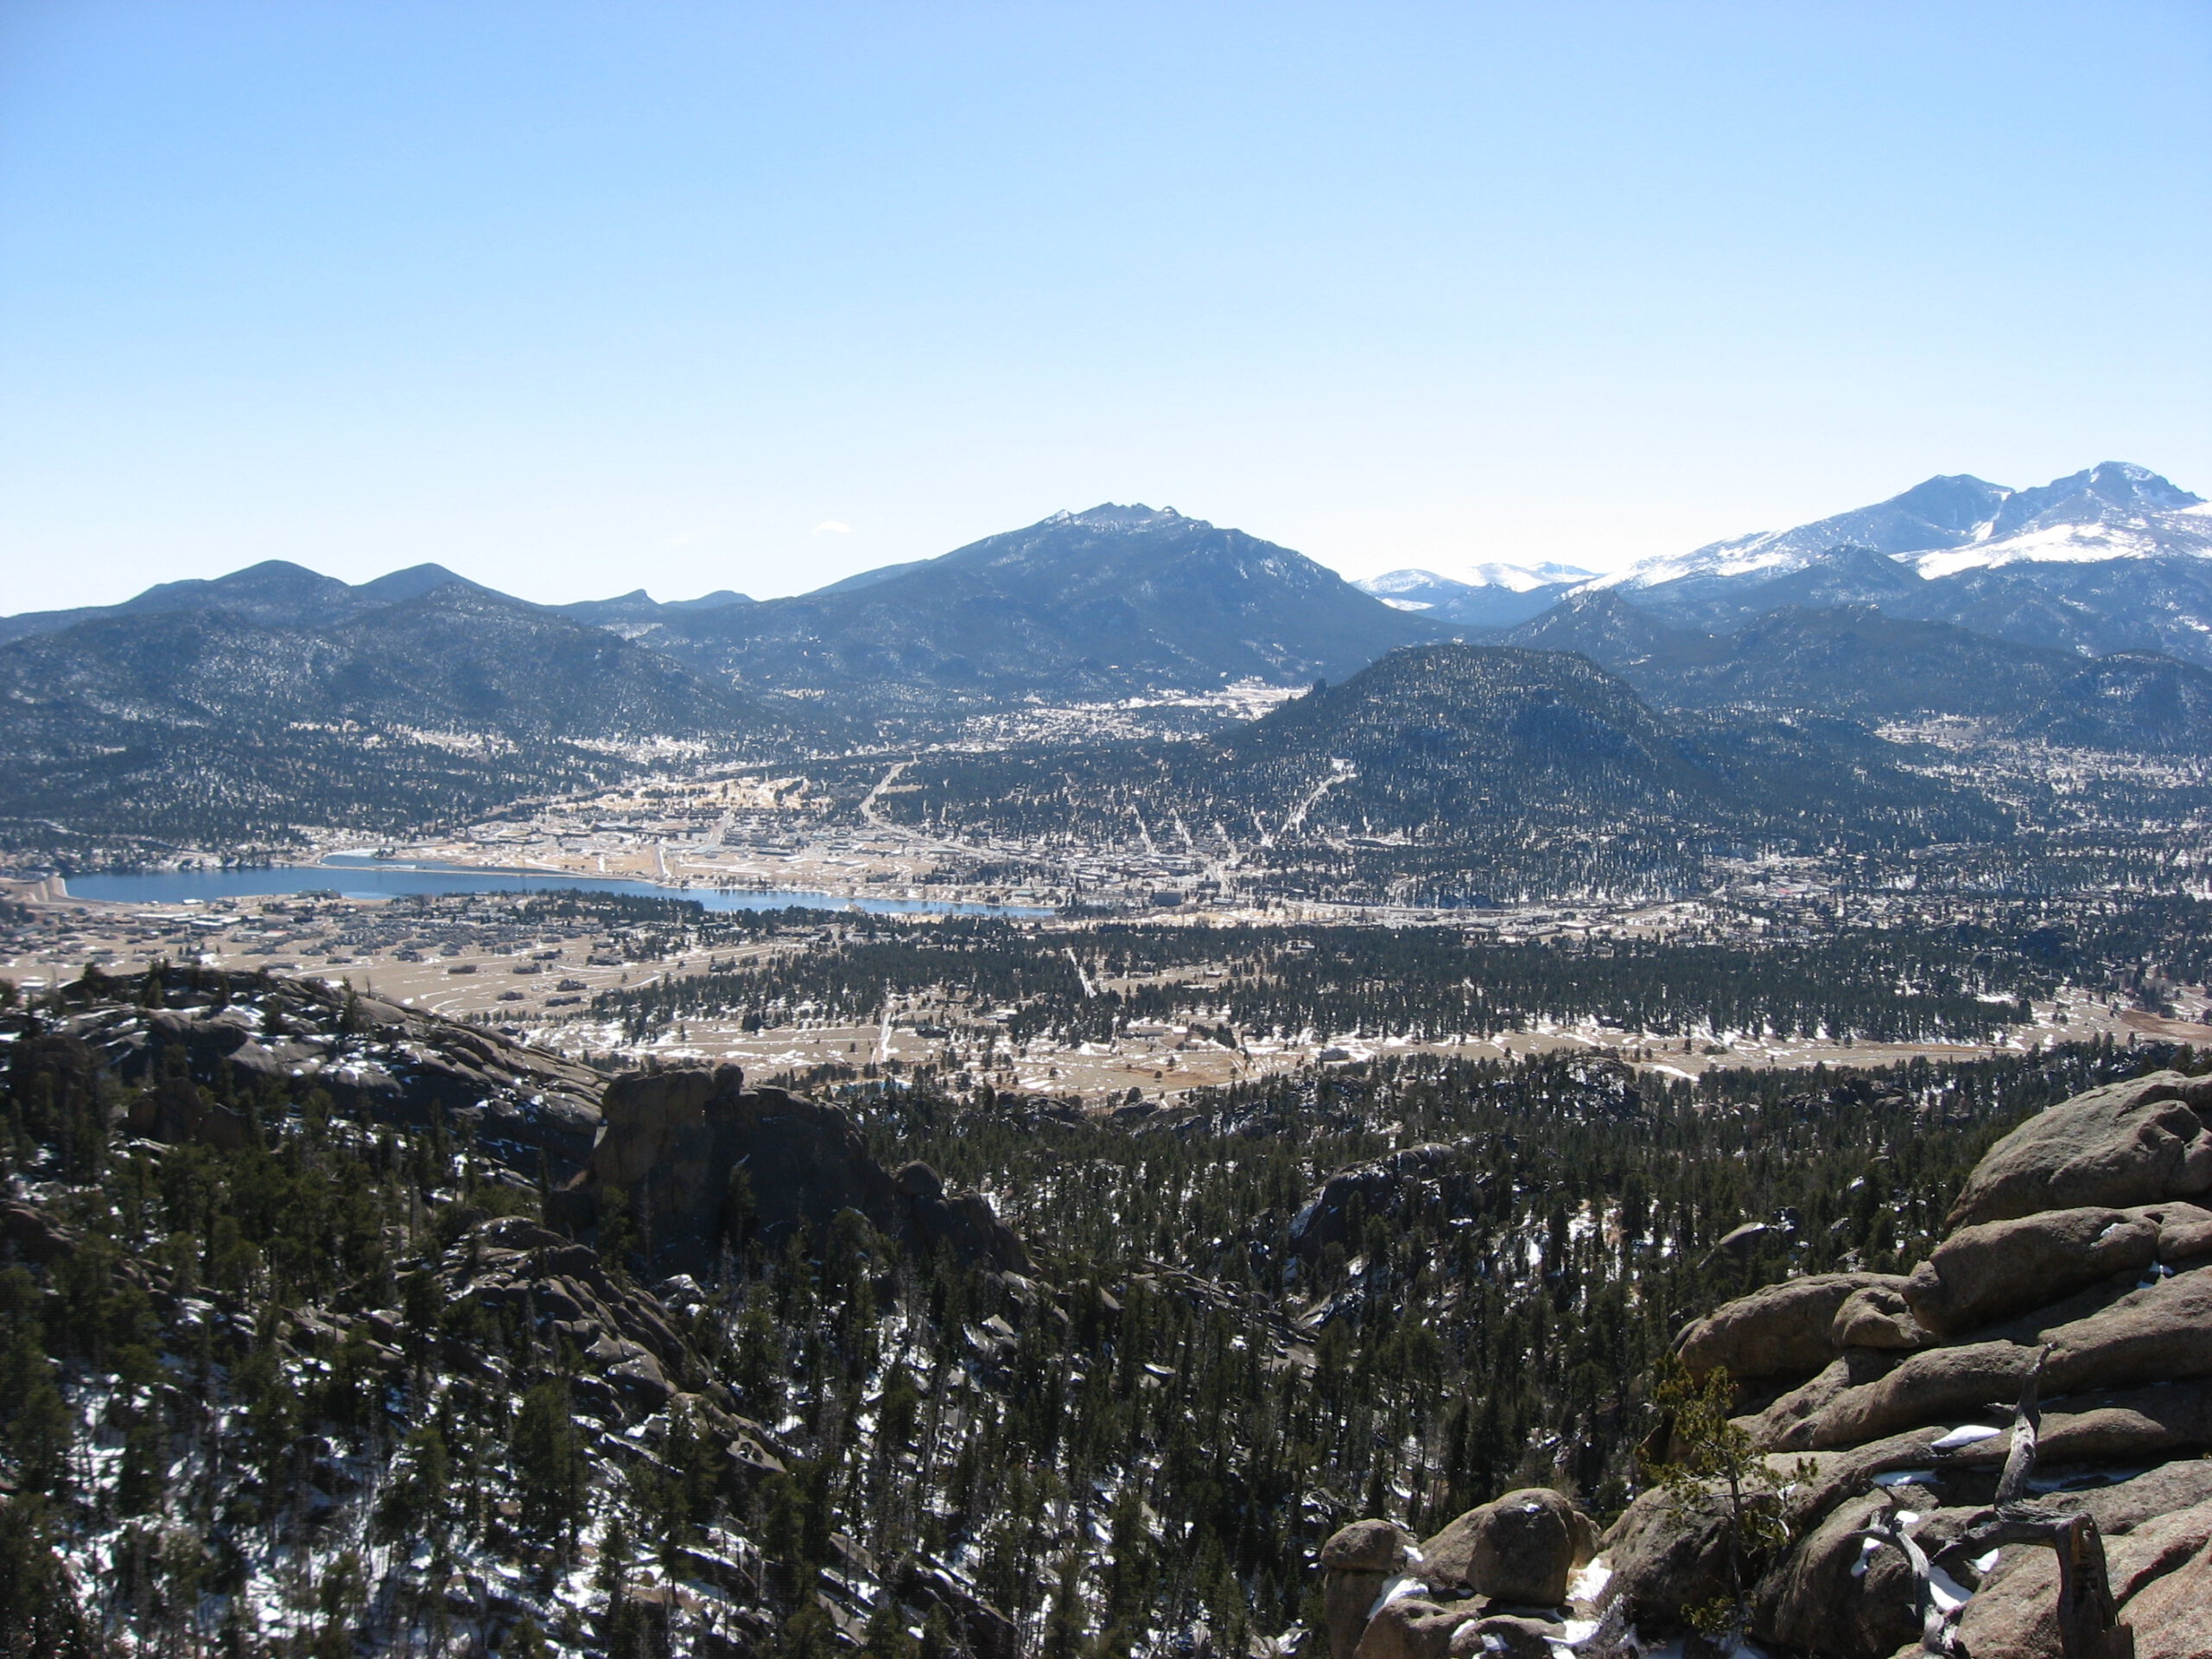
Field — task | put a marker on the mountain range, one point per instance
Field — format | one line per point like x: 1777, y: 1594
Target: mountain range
x: 1858, y: 662
x: 2111, y: 558
x: 1948, y: 525
x: 274, y: 592
x: 210, y: 726
x: 2079, y: 614
x: 1120, y: 600
x: 1499, y: 596
x: 1102, y: 603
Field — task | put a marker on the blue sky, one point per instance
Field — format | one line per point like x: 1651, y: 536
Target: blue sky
x: 581, y: 297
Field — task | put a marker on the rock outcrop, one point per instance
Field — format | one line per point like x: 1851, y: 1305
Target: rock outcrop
x: 176, y: 1111
x: 1429, y: 1178
x: 700, y: 1160
x: 1877, y: 1316
x: 1783, y: 1331
x: 1356, y: 1563
x: 1518, y: 1548
x: 2064, y: 1325
x: 1409, y: 1627
x: 1494, y: 1580
x: 2140, y: 1142
x: 254, y: 1037
x: 562, y: 1293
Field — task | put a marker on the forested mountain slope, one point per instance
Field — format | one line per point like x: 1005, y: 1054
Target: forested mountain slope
x: 1862, y: 662
x: 1086, y: 605
x: 1487, y: 769
x: 292, y: 1363
x: 274, y: 592
x: 198, y: 726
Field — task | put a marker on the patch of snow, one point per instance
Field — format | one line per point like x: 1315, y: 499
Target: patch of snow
x: 1948, y: 1592
x: 1589, y: 1582
x: 1396, y: 1590
x: 1520, y: 578
x: 1965, y: 1434
x: 1730, y: 558
x: 1678, y: 1647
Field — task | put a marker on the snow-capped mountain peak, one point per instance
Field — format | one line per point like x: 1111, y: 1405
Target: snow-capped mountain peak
x: 1956, y: 522
x: 1489, y: 595
x: 1520, y: 578
x: 1944, y: 511
x: 1411, y: 590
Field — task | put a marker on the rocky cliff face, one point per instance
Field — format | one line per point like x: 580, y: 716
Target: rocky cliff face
x: 699, y: 1158
x: 203, y: 1032
x: 701, y: 1161
x: 345, y: 1355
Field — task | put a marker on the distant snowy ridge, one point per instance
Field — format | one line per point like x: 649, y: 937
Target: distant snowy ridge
x: 1950, y: 523
x: 1956, y: 522
x: 1425, y: 590
x: 2182, y: 531
x: 1493, y: 595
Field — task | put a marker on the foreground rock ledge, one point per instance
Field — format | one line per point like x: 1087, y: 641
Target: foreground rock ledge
x: 2080, y: 1237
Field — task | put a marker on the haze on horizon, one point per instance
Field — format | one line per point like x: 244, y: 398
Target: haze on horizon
x: 574, y: 301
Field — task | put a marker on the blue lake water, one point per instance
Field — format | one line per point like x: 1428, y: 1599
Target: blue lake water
x: 357, y: 877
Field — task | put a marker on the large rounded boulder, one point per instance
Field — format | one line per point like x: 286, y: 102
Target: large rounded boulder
x: 2072, y: 1296
x: 1983, y: 1273
x: 2140, y: 1142
x: 1356, y: 1563
x: 1520, y: 1549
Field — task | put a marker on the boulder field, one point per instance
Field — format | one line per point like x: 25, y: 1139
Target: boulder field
x: 2002, y: 1454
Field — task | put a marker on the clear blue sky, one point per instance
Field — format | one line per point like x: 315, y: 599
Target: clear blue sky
x: 578, y: 298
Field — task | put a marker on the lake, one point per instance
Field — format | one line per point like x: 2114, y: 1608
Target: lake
x: 362, y: 878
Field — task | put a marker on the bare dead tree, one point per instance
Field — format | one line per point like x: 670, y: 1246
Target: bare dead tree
x: 2088, y: 1618
x: 1937, y: 1621
x: 2027, y: 1423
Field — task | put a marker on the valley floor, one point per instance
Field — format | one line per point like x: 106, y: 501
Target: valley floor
x: 536, y: 978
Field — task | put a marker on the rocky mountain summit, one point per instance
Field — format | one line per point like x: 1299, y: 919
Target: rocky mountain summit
x: 2002, y: 1452
x: 1948, y: 525
x: 2111, y: 558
